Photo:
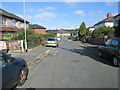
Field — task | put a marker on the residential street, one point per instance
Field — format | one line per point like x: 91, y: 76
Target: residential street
x: 60, y: 44
x: 73, y: 65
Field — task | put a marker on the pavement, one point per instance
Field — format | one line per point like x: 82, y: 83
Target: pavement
x: 31, y: 54
x: 34, y: 56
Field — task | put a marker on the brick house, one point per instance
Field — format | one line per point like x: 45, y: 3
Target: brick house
x: 109, y: 21
x: 10, y: 24
x: 38, y: 29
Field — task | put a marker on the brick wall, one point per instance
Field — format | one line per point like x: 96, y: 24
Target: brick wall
x: 11, y: 46
x: 96, y: 40
x: 40, y: 31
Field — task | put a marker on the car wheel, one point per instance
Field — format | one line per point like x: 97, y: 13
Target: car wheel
x: 100, y: 54
x: 22, y: 76
x: 115, y: 61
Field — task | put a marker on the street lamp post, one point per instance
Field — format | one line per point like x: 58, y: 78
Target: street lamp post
x: 25, y: 25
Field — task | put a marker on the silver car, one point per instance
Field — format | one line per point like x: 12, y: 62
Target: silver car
x: 52, y: 42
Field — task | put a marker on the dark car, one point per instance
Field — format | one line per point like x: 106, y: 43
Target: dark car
x: 74, y: 39
x: 14, y: 70
x: 111, y: 50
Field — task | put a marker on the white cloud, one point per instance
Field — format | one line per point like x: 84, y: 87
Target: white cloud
x: 80, y: 13
x: 40, y: 10
x: 61, y: 1
x: 109, y: 4
x: 87, y: 0
x: 28, y: 17
x: 98, y: 13
x: 46, y: 15
x: 73, y: 0
x: 49, y: 8
x: 66, y: 25
x: 45, y: 9
x: 71, y: 4
x: 30, y: 10
x: 22, y: 16
x: 65, y: 14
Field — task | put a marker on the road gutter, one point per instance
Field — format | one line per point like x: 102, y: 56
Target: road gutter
x: 38, y: 59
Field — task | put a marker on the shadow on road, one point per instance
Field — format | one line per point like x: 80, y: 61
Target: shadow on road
x: 92, y: 52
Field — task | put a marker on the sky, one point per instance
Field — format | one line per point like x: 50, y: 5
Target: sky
x: 68, y: 15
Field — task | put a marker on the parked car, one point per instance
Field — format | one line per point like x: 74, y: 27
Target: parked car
x: 111, y: 50
x: 58, y: 39
x: 52, y: 42
x: 14, y: 70
x: 74, y: 39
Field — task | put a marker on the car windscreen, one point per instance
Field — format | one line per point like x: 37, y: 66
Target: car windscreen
x: 51, y: 39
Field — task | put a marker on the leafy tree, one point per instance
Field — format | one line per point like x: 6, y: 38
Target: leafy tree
x: 87, y: 31
x: 82, y: 30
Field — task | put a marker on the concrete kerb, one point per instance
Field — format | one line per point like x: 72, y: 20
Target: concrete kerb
x: 38, y: 58
x: 35, y: 48
x: 87, y: 44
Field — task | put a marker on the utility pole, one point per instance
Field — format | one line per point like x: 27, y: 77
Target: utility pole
x: 26, y: 49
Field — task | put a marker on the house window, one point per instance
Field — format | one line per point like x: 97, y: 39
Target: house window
x: 13, y: 22
x: 6, y: 35
x: 4, y: 22
x: 21, y: 24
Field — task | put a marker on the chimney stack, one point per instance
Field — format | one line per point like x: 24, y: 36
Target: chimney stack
x: 109, y: 15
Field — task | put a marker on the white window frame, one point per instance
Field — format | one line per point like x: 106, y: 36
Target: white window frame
x: 14, y: 22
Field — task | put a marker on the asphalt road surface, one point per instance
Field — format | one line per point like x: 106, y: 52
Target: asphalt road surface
x: 73, y: 65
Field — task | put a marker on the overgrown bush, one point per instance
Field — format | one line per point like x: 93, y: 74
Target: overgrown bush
x: 33, y: 39
x: 70, y: 37
x: 102, y: 31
